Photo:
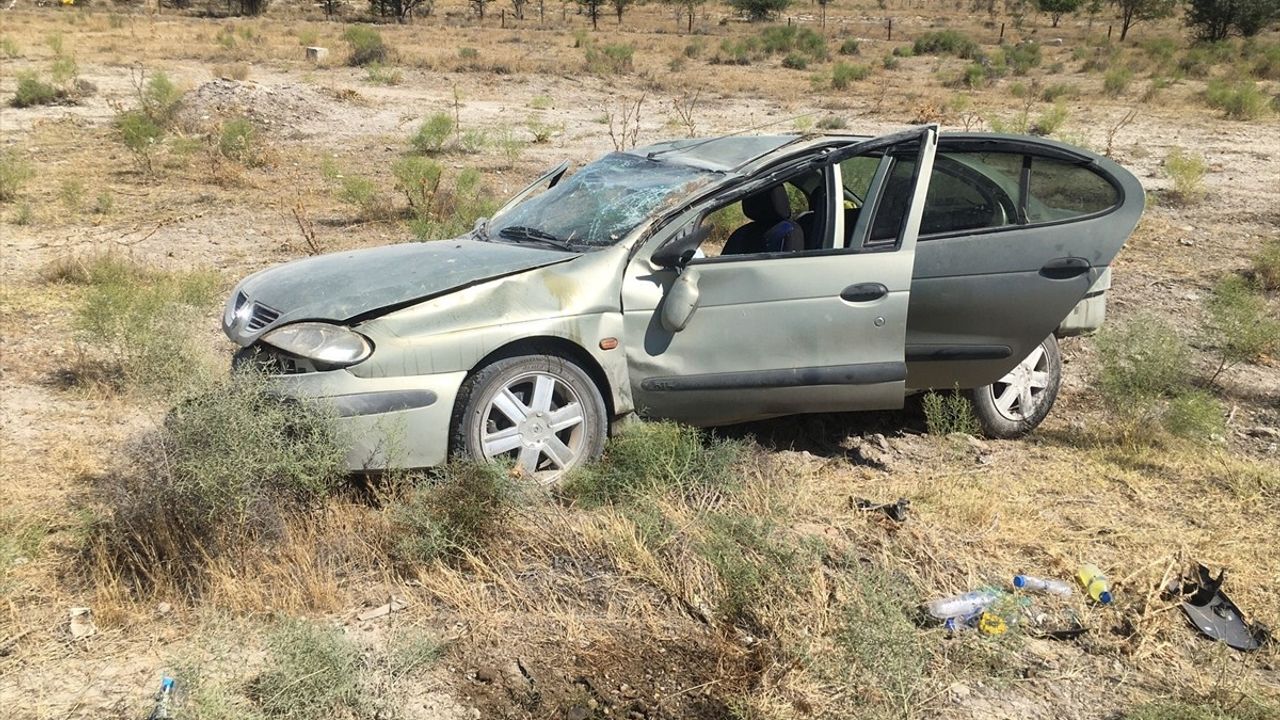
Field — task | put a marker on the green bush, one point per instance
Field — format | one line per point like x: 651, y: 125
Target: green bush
x: 223, y: 475
x: 161, y: 99
x: 468, y: 53
x: 793, y: 40
x: 14, y: 173
x: 9, y: 48
x: 366, y: 45
x: 795, y: 61
x: 458, y: 509
x: 832, y: 122
x: 947, y: 413
x: 433, y: 133
x: 1058, y: 91
x: 1267, y: 65
x: 239, y: 141
x: 365, y: 194
x: 946, y: 42
x: 849, y: 47
x: 1240, y: 325
x: 310, y: 673
x: 656, y: 457
x: 877, y: 643
x: 755, y: 10
x: 454, y: 209
x: 1239, y: 101
x: 1266, y: 265
x: 843, y: 74
x: 609, y: 59
x: 379, y: 74
x: 1116, y: 81
x: 1141, y: 362
x: 1195, y: 415
x: 1022, y: 57
x: 741, y: 51
x: 750, y: 562
x: 1187, y: 170
x: 137, y: 323
x: 32, y: 91
x: 891, y: 62
x: 141, y: 135
x: 419, y: 179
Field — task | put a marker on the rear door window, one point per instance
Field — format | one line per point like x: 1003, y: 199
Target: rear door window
x: 1060, y: 190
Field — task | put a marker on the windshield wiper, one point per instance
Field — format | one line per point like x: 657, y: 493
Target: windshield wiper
x: 526, y: 233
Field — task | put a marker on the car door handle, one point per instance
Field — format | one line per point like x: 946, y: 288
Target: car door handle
x: 863, y: 292
x: 1065, y: 268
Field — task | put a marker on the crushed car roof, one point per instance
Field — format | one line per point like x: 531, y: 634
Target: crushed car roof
x: 715, y: 153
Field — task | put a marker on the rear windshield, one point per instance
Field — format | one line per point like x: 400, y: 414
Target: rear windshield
x: 603, y: 202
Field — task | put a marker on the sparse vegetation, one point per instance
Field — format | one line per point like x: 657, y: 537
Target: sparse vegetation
x: 946, y: 42
x: 1266, y: 265
x: 1240, y: 325
x: 1116, y: 81
x: 433, y: 133
x: 947, y: 413
x: 366, y: 45
x: 311, y: 672
x: 15, y: 171
x: 1239, y: 101
x: 1187, y: 170
x: 455, y: 510
x: 844, y: 74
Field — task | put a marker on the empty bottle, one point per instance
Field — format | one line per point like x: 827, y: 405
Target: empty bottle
x: 963, y: 605
x: 1094, y: 583
x: 163, y: 700
x: 1032, y: 583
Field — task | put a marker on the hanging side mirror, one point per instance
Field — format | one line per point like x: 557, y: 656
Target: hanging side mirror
x: 679, y: 250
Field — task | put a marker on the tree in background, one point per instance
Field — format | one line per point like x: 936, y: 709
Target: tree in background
x: 688, y: 7
x: 1057, y: 8
x: 1214, y: 20
x: 620, y: 6
x: 1135, y: 11
x: 479, y: 6
x: 517, y: 8
x: 593, y: 11
x: 759, y: 9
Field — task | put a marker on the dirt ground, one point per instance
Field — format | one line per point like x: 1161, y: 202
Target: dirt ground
x: 534, y: 634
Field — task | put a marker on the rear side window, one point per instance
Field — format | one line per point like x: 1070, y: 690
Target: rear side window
x: 1059, y: 190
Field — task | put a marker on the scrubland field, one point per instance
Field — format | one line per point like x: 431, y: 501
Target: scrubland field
x: 150, y: 160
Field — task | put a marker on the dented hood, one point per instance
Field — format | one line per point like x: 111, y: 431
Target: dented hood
x: 340, y: 287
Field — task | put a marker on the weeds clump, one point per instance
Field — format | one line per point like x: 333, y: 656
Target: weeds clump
x: 143, y: 128
x: 135, y: 324
x: 877, y: 643
x: 379, y: 74
x: 850, y: 47
x: 609, y: 59
x: 750, y: 562
x: 947, y: 413
x: 946, y: 42
x: 457, y: 509
x: 1240, y: 325
x: 1145, y: 380
x: 366, y: 46
x: 1116, y: 81
x: 654, y: 457
x: 1239, y: 101
x: 1022, y: 57
x: 433, y: 133
x: 223, y: 475
x: 32, y: 90
x: 740, y: 51
x: 451, y: 212
x: 239, y: 141
x: 1266, y: 266
x: 1187, y: 170
x: 843, y: 74
x: 793, y: 40
x: 14, y: 173
x: 311, y: 672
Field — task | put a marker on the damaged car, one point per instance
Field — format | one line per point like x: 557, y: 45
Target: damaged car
x: 710, y: 281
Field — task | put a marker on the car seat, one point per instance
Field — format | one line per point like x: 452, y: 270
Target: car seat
x: 771, y: 228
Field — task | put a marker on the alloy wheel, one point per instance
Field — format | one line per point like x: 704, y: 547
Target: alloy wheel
x: 1019, y: 393
x: 536, y: 420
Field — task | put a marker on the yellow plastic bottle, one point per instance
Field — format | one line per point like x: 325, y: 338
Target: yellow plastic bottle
x: 1094, y: 583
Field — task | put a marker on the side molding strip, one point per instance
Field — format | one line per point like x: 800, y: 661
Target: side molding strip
x: 928, y: 353
x: 859, y: 374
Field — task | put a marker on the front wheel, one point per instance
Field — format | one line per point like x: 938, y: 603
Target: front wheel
x: 542, y: 413
x: 1016, y: 403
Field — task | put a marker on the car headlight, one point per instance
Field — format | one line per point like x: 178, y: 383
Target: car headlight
x: 322, y: 342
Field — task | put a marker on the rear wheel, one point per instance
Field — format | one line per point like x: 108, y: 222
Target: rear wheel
x: 542, y: 413
x: 1016, y: 403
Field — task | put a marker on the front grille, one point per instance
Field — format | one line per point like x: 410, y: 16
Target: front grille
x: 261, y: 316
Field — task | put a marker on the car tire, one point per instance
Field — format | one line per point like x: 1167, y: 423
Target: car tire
x: 543, y: 413
x: 1000, y: 406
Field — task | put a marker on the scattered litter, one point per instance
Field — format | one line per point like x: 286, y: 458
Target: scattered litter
x: 82, y: 623
x: 992, y: 624
x: 396, y: 605
x: 897, y: 511
x: 1213, y: 613
x: 965, y: 605
x: 1067, y: 633
x: 1032, y: 583
x: 1094, y: 583
x: 164, y: 699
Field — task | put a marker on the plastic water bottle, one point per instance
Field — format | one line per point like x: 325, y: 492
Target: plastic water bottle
x: 163, y: 699
x: 964, y: 605
x: 1032, y: 583
x: 1094, y: 583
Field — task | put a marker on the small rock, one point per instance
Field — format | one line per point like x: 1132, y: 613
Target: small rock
x: 577, y: 712
x: 881, y: 442
x: 82, y: 623
x: 164, y: 608
x: 487, y: 674
x: 959, y: 691
x: 1263, y: 432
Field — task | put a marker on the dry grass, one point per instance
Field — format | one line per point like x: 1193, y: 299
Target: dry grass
x: 765, y: 596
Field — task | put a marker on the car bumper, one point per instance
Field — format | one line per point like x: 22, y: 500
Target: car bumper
x: 385, y: 422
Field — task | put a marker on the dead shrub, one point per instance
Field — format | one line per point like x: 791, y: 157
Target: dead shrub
x: 455, y: 509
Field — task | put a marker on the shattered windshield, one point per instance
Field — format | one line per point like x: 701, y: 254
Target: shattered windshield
x: 600, y: 204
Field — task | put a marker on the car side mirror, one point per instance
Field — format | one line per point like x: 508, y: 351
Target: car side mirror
x: 679, y: 250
